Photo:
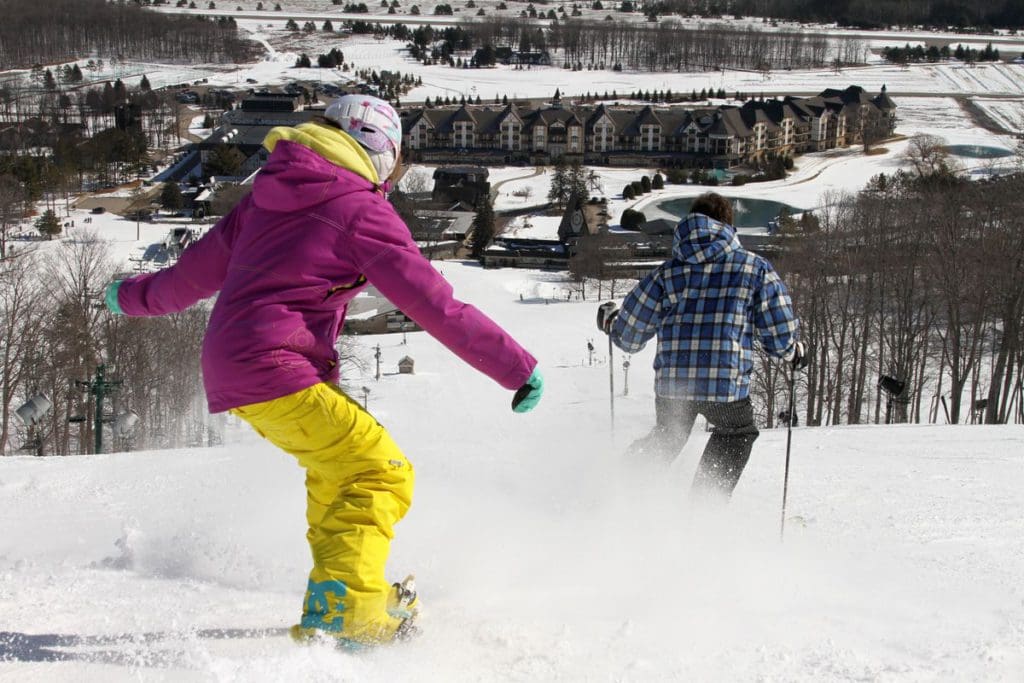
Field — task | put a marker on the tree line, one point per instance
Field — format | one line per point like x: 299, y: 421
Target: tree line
x: 863, y: 13
x: 56, y: 332
x: 670, y: 45
x: 63, y: 30
x: 920, y: 277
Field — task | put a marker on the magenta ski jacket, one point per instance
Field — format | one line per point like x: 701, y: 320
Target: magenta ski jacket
x: 287, y: 260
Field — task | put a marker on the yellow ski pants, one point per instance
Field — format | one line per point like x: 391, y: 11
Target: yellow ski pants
x: 358, y: 485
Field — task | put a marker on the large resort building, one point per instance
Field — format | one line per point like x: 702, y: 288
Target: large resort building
x: 629, y: 135
x: 666, y: 136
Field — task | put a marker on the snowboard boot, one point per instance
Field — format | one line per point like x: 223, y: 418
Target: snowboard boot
x: 396, y: 624
x: 404, y: 604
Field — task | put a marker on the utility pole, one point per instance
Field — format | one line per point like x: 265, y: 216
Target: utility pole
x: 611, y: 383
x: 99, y: 387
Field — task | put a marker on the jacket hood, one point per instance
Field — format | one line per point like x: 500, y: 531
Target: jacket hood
x: 309, y: 165
x: 700, y: 239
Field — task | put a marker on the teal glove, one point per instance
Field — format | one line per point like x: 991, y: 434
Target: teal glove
x: 528, y: 396
x: 110, y: 298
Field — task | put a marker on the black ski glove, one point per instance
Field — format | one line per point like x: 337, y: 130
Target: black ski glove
x: 800, y: 357
x: 606, y: 316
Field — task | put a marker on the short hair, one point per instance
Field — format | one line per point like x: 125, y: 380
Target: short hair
x: 713, y: 205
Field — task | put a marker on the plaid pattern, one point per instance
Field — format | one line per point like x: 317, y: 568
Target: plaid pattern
x: 706, y: 304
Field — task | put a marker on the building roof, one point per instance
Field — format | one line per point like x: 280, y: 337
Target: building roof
x: 461, y: 170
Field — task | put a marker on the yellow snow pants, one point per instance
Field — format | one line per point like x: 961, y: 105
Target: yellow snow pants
x: 358, y: 485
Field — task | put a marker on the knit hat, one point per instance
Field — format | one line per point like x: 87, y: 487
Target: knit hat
x: 374, y: 124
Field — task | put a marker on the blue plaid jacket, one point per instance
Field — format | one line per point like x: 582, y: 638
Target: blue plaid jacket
x: 706, y: 304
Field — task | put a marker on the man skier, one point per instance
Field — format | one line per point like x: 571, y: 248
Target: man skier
x: 705, y: 304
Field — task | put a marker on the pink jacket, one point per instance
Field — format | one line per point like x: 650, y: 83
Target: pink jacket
x: 286, y: 261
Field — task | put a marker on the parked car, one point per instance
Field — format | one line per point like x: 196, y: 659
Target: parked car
x: 98, y: 209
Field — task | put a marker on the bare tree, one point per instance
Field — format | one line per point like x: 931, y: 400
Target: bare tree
x: 415, y: 182
x: 20, y: 304
x: 928, y: 156
x: 12, y: 207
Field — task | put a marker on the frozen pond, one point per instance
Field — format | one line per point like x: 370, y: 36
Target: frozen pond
x: 747, y: 212
x: 978, y: 151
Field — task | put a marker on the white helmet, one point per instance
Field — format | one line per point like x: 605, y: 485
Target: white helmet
x: 374, y: 124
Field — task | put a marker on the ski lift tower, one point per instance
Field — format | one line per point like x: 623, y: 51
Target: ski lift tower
x: 99, y: 386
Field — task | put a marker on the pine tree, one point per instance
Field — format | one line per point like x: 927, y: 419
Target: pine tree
x: 48, y: 224
x: 559, y: 183
x: 170, y: 197
x: 576, y: 183
x: 144, y: 84
x: 483, y: 227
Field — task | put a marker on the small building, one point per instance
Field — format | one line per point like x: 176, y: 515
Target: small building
x: 264, y: 101
x: 506, y: 252
x: 466, y: 184
x: 583, y: 216
x: 370, y: 313
x: 440, y: 234
x: 405, y: 366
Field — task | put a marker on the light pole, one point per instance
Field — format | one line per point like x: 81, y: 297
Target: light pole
x: 625, y: 377
x: 377, y: 356
x: 366, y: 395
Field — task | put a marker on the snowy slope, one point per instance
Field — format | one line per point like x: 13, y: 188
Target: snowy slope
x: 543, y: 551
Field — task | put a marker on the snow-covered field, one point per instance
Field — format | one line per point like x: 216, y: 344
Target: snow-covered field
x: 544, y: 551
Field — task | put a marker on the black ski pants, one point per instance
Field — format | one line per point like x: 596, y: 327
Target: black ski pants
x: 727, y: 451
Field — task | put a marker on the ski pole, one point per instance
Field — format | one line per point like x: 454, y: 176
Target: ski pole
x: 789, y: 440
x: 611, y: 382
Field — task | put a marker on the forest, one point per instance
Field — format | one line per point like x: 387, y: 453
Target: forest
x: 1006, y: 14
x: 65, y: 30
